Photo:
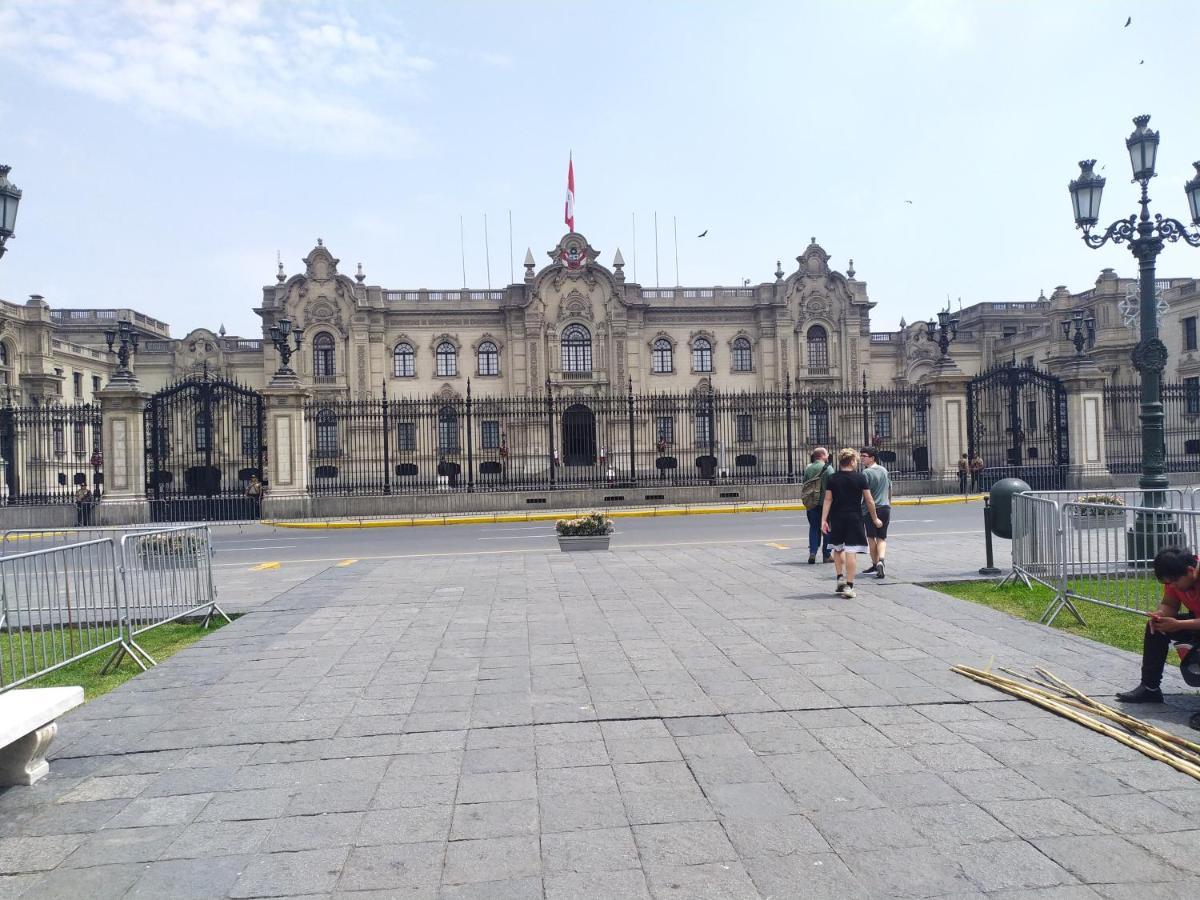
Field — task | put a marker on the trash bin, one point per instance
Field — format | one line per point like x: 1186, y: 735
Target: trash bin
x: 1001, y: 502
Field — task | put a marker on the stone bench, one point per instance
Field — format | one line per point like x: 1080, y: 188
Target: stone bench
x: 27, y: 726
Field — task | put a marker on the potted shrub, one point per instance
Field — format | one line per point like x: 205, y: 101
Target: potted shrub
x: 171, y: 550
x: 1098, y: 511
x: 589, y: 532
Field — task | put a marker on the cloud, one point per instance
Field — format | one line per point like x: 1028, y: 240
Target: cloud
x: 945, y: 23
x: 281, y: 71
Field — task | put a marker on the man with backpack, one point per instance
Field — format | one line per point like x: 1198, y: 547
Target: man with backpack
x: 812, y: 492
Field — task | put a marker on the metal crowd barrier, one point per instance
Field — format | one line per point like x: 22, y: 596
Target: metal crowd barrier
x: 60, y: 604
x: 23, y: 540
x: 1090, y: 552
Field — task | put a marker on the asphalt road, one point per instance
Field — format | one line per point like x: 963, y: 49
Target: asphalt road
x: 255, y: 545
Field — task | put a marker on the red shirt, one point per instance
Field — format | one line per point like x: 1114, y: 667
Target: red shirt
x: 1190, y: 599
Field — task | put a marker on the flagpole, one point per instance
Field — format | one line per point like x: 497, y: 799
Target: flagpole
x: 462, y: 248
x: 656, y: 284
x: 675, y: 228
x: 635, y: 247
x: 511, y: 277
x: 487, y: 252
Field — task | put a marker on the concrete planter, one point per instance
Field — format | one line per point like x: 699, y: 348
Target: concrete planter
x: 1103, y: 520
x: 585, y: 542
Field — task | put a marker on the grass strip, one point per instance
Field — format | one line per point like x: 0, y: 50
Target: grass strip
x: 160, y: 643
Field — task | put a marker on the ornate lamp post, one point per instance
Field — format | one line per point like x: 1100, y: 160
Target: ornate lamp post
x: 1145, y: 237
x: 279, y: 337
x: 946, y: 329
x: 1085, y: 330
x: 10, y: 198
x: 126, y: 340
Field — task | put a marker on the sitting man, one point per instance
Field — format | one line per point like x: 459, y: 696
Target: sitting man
x: 1176, y: 568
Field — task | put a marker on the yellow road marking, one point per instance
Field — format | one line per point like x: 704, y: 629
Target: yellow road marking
x: 267, y: 565
x: 779, y: 546
x: 346, y: 562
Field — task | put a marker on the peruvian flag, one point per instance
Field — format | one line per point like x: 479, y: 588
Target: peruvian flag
x: 569, y: 207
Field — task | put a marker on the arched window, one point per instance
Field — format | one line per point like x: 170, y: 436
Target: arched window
x: 661, y: 354
x: 489, y: 359
x: 447, y: 360
x: 701, y: 355
x: 323, y: 355
x: 327, y: 433
x: 402, y: 361
x: 447, y: 430
x: 576, y: 349
x: 3, y: 354
x: 743, y: 357
x: 818, y: 351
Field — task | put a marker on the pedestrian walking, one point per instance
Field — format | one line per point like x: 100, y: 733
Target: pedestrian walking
x: 841, y: 518
x: 1174, y: 622
x: 964, y: 467
x: 880, y: 483
x: 976, y: 471
x: 812, y: 490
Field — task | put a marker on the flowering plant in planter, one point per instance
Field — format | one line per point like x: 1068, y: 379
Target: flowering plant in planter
x: 161, y: 547
x: 591, y: 525
x: 1115, y: 503
x: 661, y: 445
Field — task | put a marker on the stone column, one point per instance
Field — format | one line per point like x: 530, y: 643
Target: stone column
x: 287, y: 448
x: 123, y: 437
x: 947, y: 422
x: 1084, y: 383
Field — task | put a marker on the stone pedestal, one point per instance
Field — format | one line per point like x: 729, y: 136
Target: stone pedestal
x: 287, y: 448
x: 1084, y: 384
x: 27, y: 727
x: 947, y: 421
x: 124, y: 441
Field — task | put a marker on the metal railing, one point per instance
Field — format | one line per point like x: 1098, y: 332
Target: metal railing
x: 60, y: 604
x: 1098, y: 553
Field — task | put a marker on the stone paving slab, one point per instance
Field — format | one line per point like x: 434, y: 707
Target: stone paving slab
x: 686, y: 722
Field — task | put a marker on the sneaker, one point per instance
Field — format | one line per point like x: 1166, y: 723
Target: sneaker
x: 812, y: 559
x: 848, y: 593
x: 879, y: 570
x: 1194, y: 721
x: 841, y: 585
x: 870, y: 571
x: 826, y: 559
x: 1141, y: 694
x: 1189, y: 667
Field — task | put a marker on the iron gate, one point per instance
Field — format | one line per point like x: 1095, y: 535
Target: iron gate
x: 1017, y: 424
x: 204, y: 442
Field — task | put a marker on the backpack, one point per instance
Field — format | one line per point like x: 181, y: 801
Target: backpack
x: 810, y: 491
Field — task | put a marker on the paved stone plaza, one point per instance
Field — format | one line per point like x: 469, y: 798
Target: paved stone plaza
x: 685, y: 722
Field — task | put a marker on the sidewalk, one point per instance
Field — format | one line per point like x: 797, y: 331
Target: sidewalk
x: 624, y: 512
x: 671, y: 723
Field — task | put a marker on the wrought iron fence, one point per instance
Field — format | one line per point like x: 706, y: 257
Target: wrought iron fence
x: 538, y: 442
x: 49, y: 451
x: 1181, y: 424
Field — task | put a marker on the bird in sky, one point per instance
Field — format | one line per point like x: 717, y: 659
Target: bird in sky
x: 1127, y: 21
x: 703, y: 233
x: 909, y: 202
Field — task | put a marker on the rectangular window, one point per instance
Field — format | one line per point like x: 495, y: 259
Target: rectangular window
x: 919, y: 420
x: 665, y: 430
x: 59, y: 446
x: 1027, y: 362
x: 745, y: 428
x: 406, y: 435
x: 883, y: 424
x: 447, y: 432
x: 489, y: 435
x: 1009, y: 331
x: 1031, y: 416
x: 80, y: 444
x: 95, y: 384
x: 77, y: 385
x: 703, y: 430
x: 1189, y: 333
x: 201, y: 433
x: 250, y: 441
x: 1191, y: 396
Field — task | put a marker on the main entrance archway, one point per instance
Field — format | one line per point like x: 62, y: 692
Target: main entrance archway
x: 1017, y: 423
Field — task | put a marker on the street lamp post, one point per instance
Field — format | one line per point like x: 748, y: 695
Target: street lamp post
x: 279, y: 337
x: 1145, y: 237
x: 1085, y: 330
x: 126, y: 340
x: 943, y: 331
x: 10, y: 199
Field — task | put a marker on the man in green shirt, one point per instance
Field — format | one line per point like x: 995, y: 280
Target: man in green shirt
x: 880, y: 484
x: 812, y: 492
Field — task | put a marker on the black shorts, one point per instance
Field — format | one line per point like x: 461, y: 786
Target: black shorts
x: 846, y: 533
x: 885, y: 516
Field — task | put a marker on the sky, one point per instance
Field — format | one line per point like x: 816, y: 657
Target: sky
x: 168, y: 151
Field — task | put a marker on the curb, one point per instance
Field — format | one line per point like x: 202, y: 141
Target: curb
x: 650, y: 513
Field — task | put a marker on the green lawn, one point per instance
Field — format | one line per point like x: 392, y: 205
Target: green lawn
x: 1108, y: 626
x: 160, y: 643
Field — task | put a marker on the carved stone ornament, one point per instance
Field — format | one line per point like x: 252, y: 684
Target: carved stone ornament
x: 575, y: 305
x: 1150, y: 356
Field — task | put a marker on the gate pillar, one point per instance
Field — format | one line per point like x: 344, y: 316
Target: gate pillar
x: 287, y: 456
x: 123, y: 439
x: 1084, y: 384
x: 947, y: 423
